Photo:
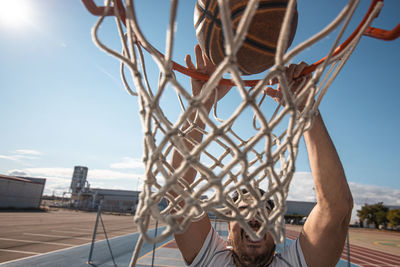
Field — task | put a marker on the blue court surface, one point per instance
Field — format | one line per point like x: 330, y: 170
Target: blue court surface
x: 122, y: 248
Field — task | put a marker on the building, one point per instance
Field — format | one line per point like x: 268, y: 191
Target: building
x: 112, y: 200
x: 301, y: 208
x: 298, y: 211
x: 21, y: 192
x: 84, y: 197
x: 78, y: 181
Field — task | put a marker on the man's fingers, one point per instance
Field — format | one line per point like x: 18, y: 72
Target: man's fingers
x: 199, y: 58
x: 290, y: 71
x: 299, y: 69
x: 189, y: 63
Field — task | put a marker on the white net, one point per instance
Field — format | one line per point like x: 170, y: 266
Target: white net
x: 253, y: 146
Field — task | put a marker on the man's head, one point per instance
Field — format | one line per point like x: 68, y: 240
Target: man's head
x: 248, y: 252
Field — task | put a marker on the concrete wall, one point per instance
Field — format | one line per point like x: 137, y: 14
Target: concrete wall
x: 20, y: 193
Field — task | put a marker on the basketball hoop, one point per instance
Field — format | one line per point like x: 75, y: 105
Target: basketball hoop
x: 226, y: 160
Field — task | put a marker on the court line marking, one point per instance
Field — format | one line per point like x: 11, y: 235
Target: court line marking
x: 163, y: 246
x: 39, y: 242
x: 166, y: 258
x: 74, y: 232
x: 61, y: 236
x: 59, y: 250
x: 90, y: 231
x: 18, y: 251
x: 83, y: 229
x: 387, y: 243
x: 116, y: 231
x: 151, y: 251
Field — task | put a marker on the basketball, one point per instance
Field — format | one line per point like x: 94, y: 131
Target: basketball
x: 257, y: 53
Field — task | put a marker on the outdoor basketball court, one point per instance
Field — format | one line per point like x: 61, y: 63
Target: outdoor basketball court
x: 62, y: 238
x: 197, y: 161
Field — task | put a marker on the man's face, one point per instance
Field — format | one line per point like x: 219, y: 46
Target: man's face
x: 250, y: 252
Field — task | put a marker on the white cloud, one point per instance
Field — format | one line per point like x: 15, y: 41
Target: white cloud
x: 302, y: 185
x: 21, y: 154
x: 8, y: 157
x: 56, y: 172
x: 27, y: 152
x: 17, y: 173
x: 128, y: 163
x: 373, y: 194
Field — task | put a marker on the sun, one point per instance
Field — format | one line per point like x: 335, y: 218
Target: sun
x: 14, y: 13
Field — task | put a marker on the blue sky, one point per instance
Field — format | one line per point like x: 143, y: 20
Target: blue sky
x: 63, y: 104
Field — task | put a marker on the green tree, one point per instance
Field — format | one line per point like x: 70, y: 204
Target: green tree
x: 375, y: 214
x: 393, y: 217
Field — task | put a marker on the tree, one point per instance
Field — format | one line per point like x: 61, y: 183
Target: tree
x: 374, y: 214
x: 393, y: 217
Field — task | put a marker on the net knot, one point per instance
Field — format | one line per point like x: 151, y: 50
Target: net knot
x: 191, y: 159
x: 173, y: 132
x: 219, y: 132
x: 195, y: 103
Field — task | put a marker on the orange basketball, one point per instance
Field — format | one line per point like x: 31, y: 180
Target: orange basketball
x: 257, y: 53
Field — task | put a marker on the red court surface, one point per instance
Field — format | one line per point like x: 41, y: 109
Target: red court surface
x: 368, y: 247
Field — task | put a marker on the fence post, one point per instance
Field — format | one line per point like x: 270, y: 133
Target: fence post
x: 94, y: 233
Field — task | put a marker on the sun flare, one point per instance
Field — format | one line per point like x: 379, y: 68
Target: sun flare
x: 14, y: 13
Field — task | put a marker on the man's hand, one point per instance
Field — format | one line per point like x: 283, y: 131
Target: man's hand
x: 295, y: 80
x: 205, y: 66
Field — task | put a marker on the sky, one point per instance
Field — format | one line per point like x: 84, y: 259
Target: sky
x: 63, y: 103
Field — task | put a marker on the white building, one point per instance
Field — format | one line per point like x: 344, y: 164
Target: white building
x: 21, y: 192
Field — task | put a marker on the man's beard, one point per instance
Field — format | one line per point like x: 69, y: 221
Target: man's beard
x: 242, y: 259
x: 246, y: 261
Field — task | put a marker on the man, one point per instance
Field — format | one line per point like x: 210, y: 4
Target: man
x: 322, y: 238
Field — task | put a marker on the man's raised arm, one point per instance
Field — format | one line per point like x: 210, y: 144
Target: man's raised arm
x: 324, y: 233
x: 191, y: 241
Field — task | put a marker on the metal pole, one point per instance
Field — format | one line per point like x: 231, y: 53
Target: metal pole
x: 284, y: 234
x: 154, y: 245
x: 348, y: 249
x: 108, y: 242
x: 94, y: 234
